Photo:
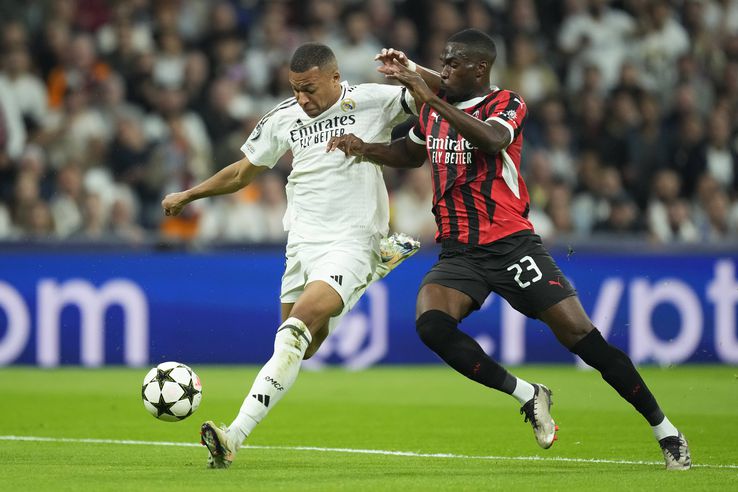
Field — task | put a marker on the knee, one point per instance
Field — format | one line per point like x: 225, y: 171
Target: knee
x: 435, y: 326
x: 577, y: 332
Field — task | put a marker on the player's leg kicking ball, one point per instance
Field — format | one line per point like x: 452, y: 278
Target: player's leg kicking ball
x: 394, y: 250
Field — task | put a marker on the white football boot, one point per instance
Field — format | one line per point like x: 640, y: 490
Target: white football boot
x: 394, y: 250
x: 537, y: 411
x: 215, y: 439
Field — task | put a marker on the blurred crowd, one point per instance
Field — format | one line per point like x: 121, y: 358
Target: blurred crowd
x: 106, y: 106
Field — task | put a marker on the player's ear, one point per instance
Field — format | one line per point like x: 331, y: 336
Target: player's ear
x: 336, y: 77
x: 482, y: 69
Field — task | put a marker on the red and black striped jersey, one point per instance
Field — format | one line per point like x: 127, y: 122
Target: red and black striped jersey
x: 478, y: 197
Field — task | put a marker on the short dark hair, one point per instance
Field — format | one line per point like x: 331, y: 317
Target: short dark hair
x: 311, y: 55
x: 478, y: 43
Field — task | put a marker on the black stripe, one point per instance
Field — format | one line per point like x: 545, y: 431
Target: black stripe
x: 468, y: 196
x: 486, y: 188
x: 266, y: 400
x: 288, y: 103
x: 296, y: 330
x: 451, y: 174
x: 405, y: 107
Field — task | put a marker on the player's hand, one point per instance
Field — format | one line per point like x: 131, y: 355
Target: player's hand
x: 387, y: 56
x: 412, y: 80
x: 173, y: 203
x: 350, y: 144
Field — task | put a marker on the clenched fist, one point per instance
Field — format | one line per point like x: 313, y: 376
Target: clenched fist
x: 173, y: 203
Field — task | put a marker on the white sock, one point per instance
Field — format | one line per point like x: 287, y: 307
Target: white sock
x: 274, y: 379
x: 664, y: 429
x: 524, y: 391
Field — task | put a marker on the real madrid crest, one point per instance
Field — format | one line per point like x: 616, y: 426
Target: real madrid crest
x: 348, y: 105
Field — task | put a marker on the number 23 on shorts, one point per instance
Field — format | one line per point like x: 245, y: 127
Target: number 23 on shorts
x: 526, y: 263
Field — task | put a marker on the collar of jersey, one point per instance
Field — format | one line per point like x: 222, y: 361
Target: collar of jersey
x: 344, y: 88
x: 474, y: 101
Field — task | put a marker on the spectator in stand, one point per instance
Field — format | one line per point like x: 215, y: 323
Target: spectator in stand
x: 721, y: 159
x: 646, y: 149
x: 527, y: 74
x: 668, y: 222
x: 36, y: 222
x: 680, y: 227
x: 623, y: 217
x: 28, y: 90
x: 66, y: 204
x: 659, y: 48
x: 357, y: 46
x: 595, y: 35
x: 720, y: 225
x: 79, y: 69
x: 687, y: 156
x: 274, y: 205
x: 12, y: 129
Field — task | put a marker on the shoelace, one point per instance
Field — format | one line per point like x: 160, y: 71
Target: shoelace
x: 529, y: 413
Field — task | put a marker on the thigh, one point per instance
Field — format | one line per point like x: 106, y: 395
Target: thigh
x: 346, y: 266
x: 451, y: 301
x: 455, y: 283
x: 528, y: 278
x: 567, y: 321
x: 317, y: 303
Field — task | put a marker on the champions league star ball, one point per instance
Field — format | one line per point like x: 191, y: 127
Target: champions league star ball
x: 171, y: 391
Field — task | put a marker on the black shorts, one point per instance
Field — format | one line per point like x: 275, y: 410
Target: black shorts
x: 516, y: 267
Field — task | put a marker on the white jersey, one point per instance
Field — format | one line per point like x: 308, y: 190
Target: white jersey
x: 329, y: 195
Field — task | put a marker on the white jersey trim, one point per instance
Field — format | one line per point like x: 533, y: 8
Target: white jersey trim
x: 506, y: 125
x: 415, y: 138
x: 510, y: 173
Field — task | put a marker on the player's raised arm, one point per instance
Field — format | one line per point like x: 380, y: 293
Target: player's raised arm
x: 388, y: 55
x: 401, y: 153
x: 491, y: 137
x: 227, y: 180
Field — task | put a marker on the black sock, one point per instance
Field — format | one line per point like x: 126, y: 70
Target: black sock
x: 620, y: 373
x: 439, y: 332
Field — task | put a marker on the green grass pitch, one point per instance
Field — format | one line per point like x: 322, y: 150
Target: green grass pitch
x: 424, y: 411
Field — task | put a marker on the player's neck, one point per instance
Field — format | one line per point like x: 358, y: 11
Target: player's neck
x: 477, y: 92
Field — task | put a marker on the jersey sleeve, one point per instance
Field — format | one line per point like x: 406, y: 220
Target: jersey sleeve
x: 396, y: 101
x: 509, y: 110
x: 264, y: 146
x: 417, y: 132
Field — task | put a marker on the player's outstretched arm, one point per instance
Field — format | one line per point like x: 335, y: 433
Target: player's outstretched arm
x: 227, y: 180
x: 388, y: 55
x: 401, y: 153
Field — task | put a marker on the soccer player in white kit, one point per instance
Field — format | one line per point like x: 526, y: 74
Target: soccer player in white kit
x: 337, y: 214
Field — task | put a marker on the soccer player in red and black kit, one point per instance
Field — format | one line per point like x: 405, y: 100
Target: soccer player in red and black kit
x: 472, y: 136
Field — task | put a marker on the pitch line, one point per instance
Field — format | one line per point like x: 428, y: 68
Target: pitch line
x: 360, y: 451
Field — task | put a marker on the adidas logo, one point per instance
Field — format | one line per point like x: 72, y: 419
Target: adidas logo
x: 338, y: 279
x: 262, y: 399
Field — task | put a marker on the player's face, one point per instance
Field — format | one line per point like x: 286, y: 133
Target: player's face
x: 458, y: 73
x: 315, y: 90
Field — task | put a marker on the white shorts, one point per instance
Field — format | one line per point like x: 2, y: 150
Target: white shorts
x: 346, y: 265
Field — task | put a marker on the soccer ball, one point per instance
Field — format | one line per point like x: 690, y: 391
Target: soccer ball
x: 171, y: 391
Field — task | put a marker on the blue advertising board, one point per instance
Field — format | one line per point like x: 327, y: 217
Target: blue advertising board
x: 223, y: 307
